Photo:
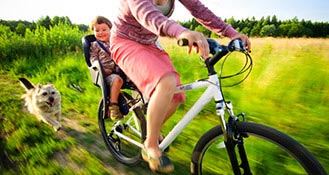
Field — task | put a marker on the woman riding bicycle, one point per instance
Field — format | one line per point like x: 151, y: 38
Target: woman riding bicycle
x: 135, y: 48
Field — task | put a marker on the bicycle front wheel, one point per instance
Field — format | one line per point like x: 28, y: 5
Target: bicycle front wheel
x: 268, y: 151
x: 124, y: 137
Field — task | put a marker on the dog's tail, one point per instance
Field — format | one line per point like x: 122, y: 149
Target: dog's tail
x: 26, y: 83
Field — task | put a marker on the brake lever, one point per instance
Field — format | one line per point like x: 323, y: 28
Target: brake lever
x: 236, y: 45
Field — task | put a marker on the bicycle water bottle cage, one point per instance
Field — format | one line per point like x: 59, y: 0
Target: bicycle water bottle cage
x: 236, y: 45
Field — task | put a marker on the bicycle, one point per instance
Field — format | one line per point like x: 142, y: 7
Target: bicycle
x: 235, y: 143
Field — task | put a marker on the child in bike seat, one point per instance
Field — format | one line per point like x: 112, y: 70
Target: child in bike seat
x: 99, y: 50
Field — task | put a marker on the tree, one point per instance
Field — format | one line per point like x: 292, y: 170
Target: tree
x: 246, y: 30
x: 268, y: 30
x: 255, y: 31
x: 192, y: 24
x: 275, y: 21
x: 61, y: 20
x: 45, y: 22
x: 83, y: 27
x: 296, y: 30
x: 20, y: 29
x: 232, y: 22
x: 307, y: 28
x: 203, y: 30
x: 283, y: 30
x: 266, y: 21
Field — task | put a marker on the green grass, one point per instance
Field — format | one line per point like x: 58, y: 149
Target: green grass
x: 288, y: 89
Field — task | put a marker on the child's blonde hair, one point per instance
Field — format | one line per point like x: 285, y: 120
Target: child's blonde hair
x: 99, y: 20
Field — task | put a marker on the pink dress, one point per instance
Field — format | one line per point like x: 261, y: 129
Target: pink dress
x: 135, y: 33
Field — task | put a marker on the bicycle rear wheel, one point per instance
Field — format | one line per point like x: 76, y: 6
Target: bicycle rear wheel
x: 123, y: 138
x: 268, y: 151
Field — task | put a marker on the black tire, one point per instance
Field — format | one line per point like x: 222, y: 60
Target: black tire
x: 269, y: 152
x: 122, y: 150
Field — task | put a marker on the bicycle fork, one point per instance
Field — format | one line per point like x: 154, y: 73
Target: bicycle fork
x: 233, y: 139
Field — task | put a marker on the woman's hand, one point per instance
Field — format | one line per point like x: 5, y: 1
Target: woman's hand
x: 245, y: 39
x: 197, y: 41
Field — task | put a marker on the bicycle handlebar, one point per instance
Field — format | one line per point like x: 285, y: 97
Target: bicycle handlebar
x: 218, y: 51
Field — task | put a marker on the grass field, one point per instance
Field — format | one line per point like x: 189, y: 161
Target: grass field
x: 288, y: 89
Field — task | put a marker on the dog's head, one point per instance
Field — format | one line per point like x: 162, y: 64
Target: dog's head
x: 47, y: 95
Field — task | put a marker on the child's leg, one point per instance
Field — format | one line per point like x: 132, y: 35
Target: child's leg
x: 115, y: 83
x: 115, y: 87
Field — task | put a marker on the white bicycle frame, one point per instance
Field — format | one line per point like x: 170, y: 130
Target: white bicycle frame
x: 213, y: 91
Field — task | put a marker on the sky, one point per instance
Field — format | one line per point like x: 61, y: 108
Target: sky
x: 83, y: 11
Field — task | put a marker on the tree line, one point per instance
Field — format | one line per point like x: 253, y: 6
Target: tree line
x: 268, y: 26
x: 20, y: 27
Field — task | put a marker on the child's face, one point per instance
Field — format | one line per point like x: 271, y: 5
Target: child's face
x: 102, y: 32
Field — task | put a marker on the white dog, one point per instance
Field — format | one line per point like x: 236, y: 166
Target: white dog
x: 43, y: 101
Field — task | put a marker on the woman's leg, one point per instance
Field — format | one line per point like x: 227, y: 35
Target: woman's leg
x: 157, y: 112
x: 171, y: 110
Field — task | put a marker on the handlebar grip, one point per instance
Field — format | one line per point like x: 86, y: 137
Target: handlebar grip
x: 182, y: 42
x: 236, y: 45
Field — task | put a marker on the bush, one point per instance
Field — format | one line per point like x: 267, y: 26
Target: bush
x: 59, y: 39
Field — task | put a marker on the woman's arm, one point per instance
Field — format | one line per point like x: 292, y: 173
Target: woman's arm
x: 208, y: 19
x: 147, y: 15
